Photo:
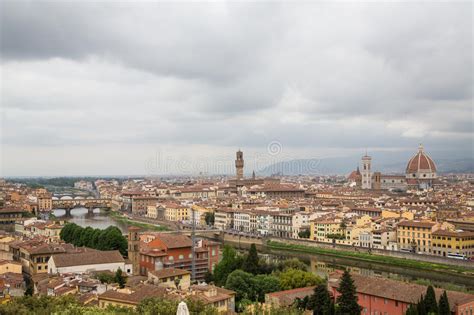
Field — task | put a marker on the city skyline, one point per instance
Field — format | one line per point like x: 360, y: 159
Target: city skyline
x: 117, y: 85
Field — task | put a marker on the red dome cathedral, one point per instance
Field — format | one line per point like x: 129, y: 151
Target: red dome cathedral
x: 421, y: 169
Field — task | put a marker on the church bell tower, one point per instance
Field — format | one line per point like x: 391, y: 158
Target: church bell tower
x: 134, y: 249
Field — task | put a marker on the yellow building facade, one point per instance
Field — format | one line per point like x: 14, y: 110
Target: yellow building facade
x: 458, y: 244
x: 176, y: 213
x: 320, y: 229
x: 415, y: 236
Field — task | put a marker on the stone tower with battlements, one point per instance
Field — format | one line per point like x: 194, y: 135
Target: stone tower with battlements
x: 239, y: 165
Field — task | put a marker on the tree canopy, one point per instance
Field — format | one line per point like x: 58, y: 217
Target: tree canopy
x: 347, y: 300
x: 320, y: 302
x: 294, y: 278
x: 443, y: 306
x: 109, y: 239
x: 250, y: 263
x: 230, y: 262
x: 68, y: 305
x: 427, y: 304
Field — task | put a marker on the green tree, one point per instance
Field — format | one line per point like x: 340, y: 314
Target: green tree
x: 86, y: 235
x: 120, y: 278
x: 209, y: 277
x: 105, y: 277
x: 66, y: 232
x: 198, y: 307
x: 76, y: 235
x: 304, y: 233
x: 230, y: 262
x: 347, y: 300
x: 320, y: 301
x: 157, y: 306
x: 412, y: 310
x: 94, y: 240
x: 112, y: 239
x: 443, y: 306
x: 294, y: 278
x: 260, y: 309
x: 41, y: 305
x: 209, y: 218
x: 115, y: 240
x: 242, y: 283
x: 293, y: 263
x: 430, y: 301
x: 264, y: 284
x: 421, y: 307
x: 251, y: 261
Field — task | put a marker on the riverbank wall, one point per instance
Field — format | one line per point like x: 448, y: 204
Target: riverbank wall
x: 244, y: 242
x: 411, y: 256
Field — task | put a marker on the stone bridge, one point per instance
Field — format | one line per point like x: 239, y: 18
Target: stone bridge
x: 89, y: 203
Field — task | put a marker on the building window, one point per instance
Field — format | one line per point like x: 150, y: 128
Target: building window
x: 181, y: 256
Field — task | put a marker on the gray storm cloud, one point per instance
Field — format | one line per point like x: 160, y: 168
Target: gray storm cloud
x: 197, y: 78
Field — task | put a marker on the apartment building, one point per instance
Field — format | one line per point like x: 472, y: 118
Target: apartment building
x: 176, y: 212
x: 416, y: 236
x: 45, y: 202
x: 140, y: 204
x: 260, y: 222
x: 459, y: 244
x: 302, y: 221
x: 175, y: 251
x: 281, y: 225
x: 322, y: 227
x: 224, y: 219
x: 242, y: 221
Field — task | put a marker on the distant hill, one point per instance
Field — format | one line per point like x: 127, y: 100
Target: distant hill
x: 344, y: 165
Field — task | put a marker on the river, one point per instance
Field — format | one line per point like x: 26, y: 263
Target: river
x: 82, y: 217
x: 318, y: 264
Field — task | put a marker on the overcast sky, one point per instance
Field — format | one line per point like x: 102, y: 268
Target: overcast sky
x: 93, y: 87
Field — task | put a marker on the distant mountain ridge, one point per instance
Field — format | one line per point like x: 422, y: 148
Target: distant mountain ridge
x: 345, y: 165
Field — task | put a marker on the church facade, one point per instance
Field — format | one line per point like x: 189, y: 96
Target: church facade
x: 420, y: 173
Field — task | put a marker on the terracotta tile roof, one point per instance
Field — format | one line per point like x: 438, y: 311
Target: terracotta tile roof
x: 175, y: 241
x: 453, y: 233
x: 397, y: 290
x: 88, y: 258
x: 139, y: 293
x: 414, y: 223
x: 287, y: 297
x: 169, y: 272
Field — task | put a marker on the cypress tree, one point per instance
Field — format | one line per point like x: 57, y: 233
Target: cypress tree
x: 430, y: 301
x: 411, y: 310
x: 320, y: 301
x: 421, y: 307
x: 347, y: 301
x: 443, y: 307
x: 332, y: 308
x: 119, y: 278
x: 250, y: 264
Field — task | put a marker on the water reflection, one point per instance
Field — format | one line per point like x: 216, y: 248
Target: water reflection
x: 325, y: 265
x: 84, y: 218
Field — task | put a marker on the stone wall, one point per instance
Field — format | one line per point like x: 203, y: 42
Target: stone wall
x: 382, y: 252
